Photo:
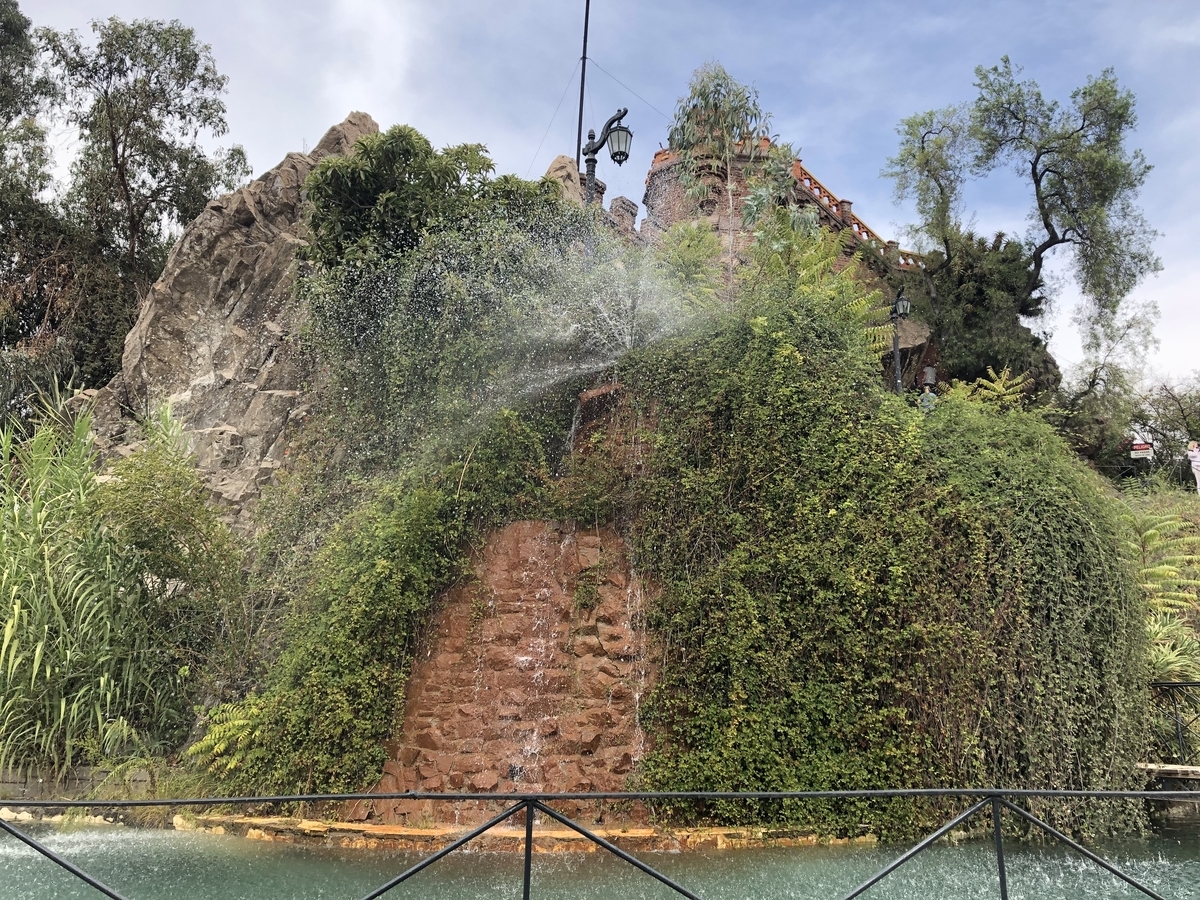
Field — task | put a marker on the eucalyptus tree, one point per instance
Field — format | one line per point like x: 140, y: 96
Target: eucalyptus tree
x: 142, y: 95
x: 1083, y: 181
x: 36, y: 245
x: 718, y: 125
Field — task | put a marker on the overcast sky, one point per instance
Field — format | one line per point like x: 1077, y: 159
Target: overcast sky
x: 837, y: 77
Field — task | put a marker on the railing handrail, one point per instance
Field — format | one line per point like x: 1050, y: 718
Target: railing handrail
x: 532, y: 804
x: 546, y: 797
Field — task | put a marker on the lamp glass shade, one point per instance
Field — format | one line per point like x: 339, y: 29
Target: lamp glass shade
x: 619, y: 140
x: 902, y: 306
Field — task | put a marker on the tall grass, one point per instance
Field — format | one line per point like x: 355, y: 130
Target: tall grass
x: 91, y: 654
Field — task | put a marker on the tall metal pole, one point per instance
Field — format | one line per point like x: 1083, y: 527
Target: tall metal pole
x: 587, y: 12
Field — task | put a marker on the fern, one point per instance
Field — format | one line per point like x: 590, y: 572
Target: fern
x: 810, y: 263
x: 1165, y: 549
x: 1005, y: 390
x: 234, y: 730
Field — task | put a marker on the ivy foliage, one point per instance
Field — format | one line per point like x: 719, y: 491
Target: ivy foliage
x: 336, y: 692
x: 857, y: 596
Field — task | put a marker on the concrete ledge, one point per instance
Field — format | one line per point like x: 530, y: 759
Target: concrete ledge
x: 553, y: 839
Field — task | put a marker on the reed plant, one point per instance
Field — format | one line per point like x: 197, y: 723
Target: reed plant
x: 94, y: 650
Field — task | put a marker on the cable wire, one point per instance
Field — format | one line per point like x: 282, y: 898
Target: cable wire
x: 570, y: 81
x: 628, y: 88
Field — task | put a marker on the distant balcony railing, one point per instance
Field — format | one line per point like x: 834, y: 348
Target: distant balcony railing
x: 987, y: 804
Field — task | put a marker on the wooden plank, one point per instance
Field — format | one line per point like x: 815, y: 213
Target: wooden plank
x: 1169, y: 770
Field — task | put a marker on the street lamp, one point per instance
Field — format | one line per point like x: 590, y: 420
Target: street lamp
x: 900, y: 310
x: 618, y: 138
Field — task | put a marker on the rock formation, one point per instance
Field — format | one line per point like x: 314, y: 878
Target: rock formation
x: 212, y: 338
x: 564, y: 171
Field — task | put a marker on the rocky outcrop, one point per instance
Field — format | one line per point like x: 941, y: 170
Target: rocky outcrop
x: 565, y: 172
x: 212, y: 338
x: 529, y: 677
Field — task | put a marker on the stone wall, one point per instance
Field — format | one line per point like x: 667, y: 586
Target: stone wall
x: 666, y: 203
x: 77, y: 784
x: 529, y: 678
x: 622, y: 212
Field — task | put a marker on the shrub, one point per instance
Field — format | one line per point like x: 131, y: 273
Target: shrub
x: 857, y: 596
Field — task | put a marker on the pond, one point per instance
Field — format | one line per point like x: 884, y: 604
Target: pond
x: 156, y: 865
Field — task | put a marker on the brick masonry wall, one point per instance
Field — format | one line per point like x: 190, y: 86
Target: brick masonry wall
x: 519, y: 686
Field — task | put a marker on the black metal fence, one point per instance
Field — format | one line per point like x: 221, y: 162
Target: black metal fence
x: 983, y: 802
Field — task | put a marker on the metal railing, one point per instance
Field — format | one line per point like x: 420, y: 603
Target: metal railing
x: 1179, y: 702
x: 993, y: 801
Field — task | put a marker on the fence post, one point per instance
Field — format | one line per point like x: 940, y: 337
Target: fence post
x: 528, y: 846
x: 999, y: 833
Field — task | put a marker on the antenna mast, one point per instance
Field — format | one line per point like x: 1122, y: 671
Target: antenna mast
x: 587, y: 12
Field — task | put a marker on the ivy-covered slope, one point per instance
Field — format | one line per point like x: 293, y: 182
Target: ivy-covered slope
x: 852, y: 594
x: 855, y: 595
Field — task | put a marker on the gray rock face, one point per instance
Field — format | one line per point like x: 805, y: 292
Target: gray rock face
x: 212, y: 338
x: 563, y: 170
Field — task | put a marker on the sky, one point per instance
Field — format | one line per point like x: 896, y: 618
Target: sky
x: 837, y: 78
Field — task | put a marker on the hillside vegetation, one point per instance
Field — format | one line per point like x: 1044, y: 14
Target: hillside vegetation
x: 851, y: 593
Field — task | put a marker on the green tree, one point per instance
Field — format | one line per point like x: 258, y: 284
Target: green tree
x: 23, y: 85
x: 36, y: 244
x: 1084, y: 182
x: 377, y: 201
x: 1095, y: 406
x: 141, y: 96
x: 975, y: 300
x: 718, y: 125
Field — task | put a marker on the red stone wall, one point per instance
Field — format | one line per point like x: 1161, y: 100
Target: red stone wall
x: 666, y: 204
x: 518, y: 687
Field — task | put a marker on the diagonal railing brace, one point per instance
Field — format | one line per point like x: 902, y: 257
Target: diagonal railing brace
x: 58, y: 860
x: 1079, y: 848
x: 615, y: 850
x: 445, y: 851
x: 888, y: 870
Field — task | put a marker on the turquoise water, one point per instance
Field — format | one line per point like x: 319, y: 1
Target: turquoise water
x: 156, y: 865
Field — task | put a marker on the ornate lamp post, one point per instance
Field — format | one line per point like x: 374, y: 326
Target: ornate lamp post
x: 618, y: 138
x: 900, y: 310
